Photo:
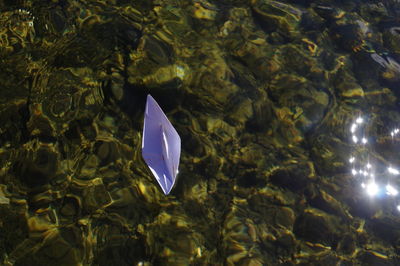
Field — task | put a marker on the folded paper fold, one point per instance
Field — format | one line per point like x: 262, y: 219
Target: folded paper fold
x: 161, y: 145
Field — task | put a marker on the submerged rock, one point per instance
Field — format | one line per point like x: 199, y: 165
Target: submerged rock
x: 263, y: 94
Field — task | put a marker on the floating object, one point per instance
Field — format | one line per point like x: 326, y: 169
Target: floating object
x: 161, y: 145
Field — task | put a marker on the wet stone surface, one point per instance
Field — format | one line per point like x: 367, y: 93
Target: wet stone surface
x: 262, y: 93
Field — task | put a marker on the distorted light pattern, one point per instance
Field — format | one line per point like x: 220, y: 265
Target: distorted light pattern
x: 391, y: 191
x: 393, y: 171
x: 372, y: 188
x: 394, y: 132
x: 375, y: 183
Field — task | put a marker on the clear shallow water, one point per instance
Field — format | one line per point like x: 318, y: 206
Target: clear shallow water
x: 263, y: 95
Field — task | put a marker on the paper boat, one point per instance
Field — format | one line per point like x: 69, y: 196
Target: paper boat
x: 161, y: 145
